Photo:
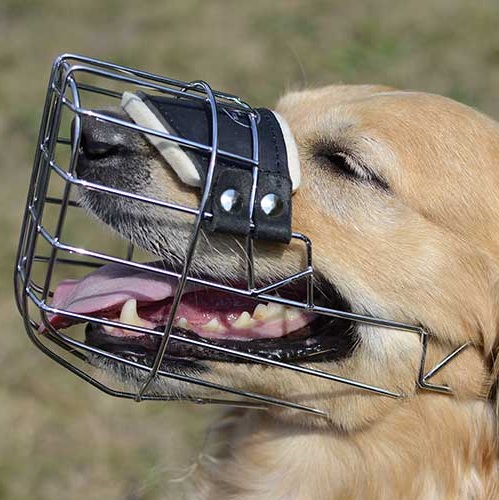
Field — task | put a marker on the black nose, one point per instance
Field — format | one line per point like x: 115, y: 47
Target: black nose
x: 100, y: 140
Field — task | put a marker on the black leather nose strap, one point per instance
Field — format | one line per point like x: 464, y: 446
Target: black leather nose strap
x: 232, y: 184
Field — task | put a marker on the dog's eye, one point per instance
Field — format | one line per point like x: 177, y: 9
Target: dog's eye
x: 347, y: 166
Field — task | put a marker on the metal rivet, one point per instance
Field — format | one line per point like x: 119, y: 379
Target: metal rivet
x: 230, y: 200
x: 271, y: 205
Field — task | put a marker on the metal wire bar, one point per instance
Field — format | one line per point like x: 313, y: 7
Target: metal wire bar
x: 163, y: 81
x: 192, y: 245
x: 240, y: 160
x: 106, y: 189
x: 359, y: 318
x: 37, y: 189
x: 446, y: 361
x: 251, y: 208
x: 207, y: 345
x: 70, y: 262
x: 67, y: 187
x: 58, y: 201
x: 423, y: 377
x: 122, y: 394
x: 25, y: 234
x: 152, y: 371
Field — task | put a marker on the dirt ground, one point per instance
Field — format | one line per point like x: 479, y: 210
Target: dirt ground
x: 61, y: 438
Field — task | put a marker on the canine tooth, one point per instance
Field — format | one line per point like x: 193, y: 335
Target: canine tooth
x: 260, y: 312
x: 108, y: 329
x: 244, y: 321
x: 183, y: 323
x: 212, y: 326
x: 129, y: 313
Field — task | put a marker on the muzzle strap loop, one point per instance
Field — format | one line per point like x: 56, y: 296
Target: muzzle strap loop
x: 233, y: 212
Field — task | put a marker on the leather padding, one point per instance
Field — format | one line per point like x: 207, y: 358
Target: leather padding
x: 191, y: 120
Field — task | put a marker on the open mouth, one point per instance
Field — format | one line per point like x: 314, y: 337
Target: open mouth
x: 129, y: 296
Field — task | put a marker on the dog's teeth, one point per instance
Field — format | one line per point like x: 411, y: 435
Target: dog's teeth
x: 244, y: 321
x: 291, y: 314
x: 260, y: 312
x: 212, y: 326
x: 108, y: 329
x: 129, y: 313
x: 275, y: 311
x: 183, y: 323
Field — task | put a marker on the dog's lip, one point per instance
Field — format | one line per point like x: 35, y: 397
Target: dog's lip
x: 324, y: 339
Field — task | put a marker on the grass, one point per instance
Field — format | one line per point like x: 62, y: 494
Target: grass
x: 61, y: 438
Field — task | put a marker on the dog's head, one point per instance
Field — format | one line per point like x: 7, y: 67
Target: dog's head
x: 399, y: 197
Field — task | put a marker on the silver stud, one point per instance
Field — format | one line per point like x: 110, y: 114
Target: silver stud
x: 271, y: 205
x: 230, y: 200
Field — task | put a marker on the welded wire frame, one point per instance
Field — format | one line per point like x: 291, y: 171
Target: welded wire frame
x: 66, y: 85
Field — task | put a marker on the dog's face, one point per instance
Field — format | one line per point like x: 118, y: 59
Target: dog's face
x: 400, y: 197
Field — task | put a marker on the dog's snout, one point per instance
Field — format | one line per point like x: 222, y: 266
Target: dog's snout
x: 99, y: 140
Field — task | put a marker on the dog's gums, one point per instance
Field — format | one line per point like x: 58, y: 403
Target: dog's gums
x: 143, y: 299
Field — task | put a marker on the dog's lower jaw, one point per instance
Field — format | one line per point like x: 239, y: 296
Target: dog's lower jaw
x: 405, y: 455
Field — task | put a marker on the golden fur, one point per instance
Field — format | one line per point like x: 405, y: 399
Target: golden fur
x: 427, y: 254
x: 424, y: 251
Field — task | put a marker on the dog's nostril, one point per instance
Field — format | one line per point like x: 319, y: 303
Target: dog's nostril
x: 100, y: 142
x: 96, y: 141
x: 95, y: 148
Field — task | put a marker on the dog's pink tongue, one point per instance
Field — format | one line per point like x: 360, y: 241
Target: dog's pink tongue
x: 208, y: 313
x: 108, y: 287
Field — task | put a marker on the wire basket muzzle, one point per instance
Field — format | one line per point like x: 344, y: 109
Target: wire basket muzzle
x: 58, y: 242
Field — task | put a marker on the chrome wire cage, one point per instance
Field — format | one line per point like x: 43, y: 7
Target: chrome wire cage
x: 46, y: 250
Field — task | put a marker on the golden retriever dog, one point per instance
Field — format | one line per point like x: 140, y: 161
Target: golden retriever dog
x: 400, y: 198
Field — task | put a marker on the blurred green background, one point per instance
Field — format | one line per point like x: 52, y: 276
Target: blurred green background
x: 59, y: 438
